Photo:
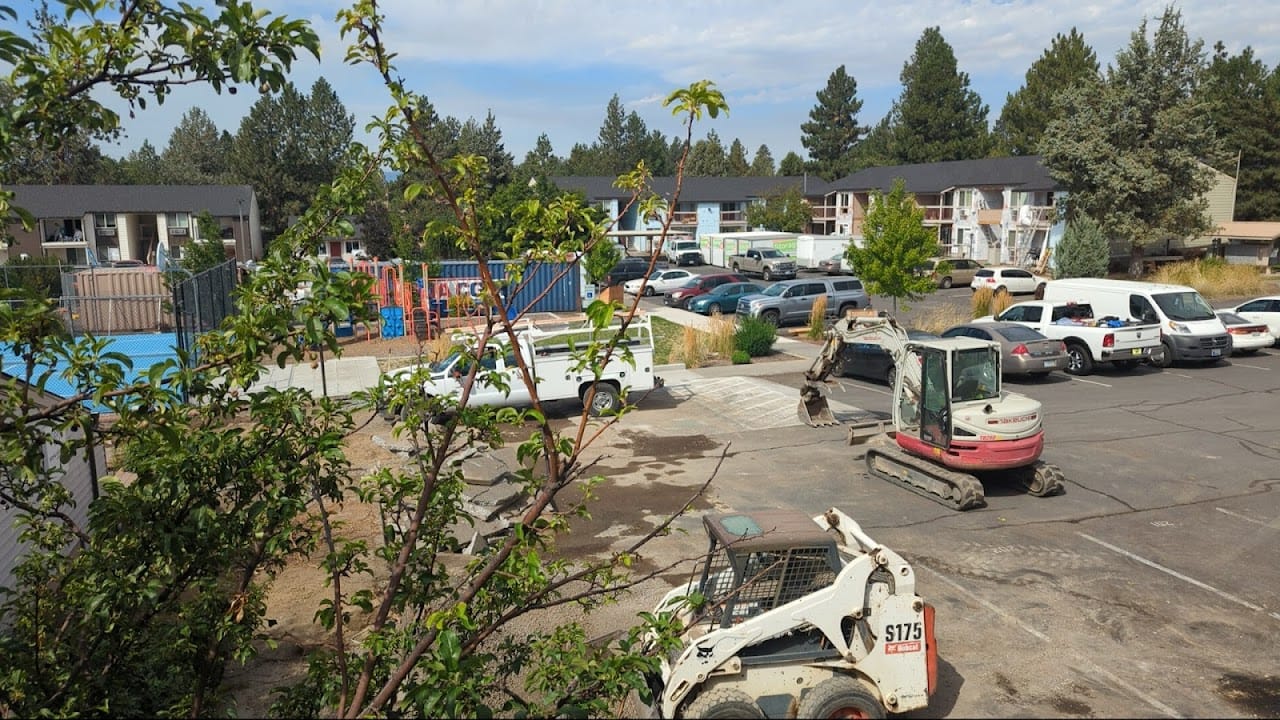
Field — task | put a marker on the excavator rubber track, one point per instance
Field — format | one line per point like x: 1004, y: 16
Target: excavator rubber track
x: 952, y: 488
x: 1040, y: 479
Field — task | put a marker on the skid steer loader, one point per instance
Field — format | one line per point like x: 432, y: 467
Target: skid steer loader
x: 790, y: 616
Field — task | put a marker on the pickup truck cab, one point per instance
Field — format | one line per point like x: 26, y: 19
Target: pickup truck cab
x: 768, y: 263
x: 553, y: 357
x: 1089, y: 340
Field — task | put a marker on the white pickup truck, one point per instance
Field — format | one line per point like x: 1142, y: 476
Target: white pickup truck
x: 550, y: 355
x: 1089, y: 340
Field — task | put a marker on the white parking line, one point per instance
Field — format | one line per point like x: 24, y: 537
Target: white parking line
x: 1225, y: 511
x: 1179, y: 375
x: 1091, y: 382
x: 1252, y: 367
x: 1204, y: 586
x: 1088, y: 663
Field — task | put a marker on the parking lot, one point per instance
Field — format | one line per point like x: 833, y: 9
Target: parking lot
x: 1150, y: 588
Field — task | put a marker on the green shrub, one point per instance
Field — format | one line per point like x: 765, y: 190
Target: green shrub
x: 755, y: 337
x: 740, y: 357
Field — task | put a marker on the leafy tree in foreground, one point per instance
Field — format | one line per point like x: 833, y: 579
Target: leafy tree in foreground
x: 230, y: 482
x: 1083, y: 250
x: 206, y: 251
x: 896, y: 242
x: 1131, y: 151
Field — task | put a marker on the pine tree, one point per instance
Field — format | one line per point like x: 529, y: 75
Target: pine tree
x: 194, y: 153
x: 1129, y: 150
x: 833, y: 131
x: 1083, y: 250
x: 738, y: 166
x: 791, y: 165
x: 762, y: 164
x: 541, y: 161
x: 707, y: 158
x: 937, y: 117
x: 1026, y: 113
x: 1244, y: 102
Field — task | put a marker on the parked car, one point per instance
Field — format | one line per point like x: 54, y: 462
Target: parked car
x: 722, y: 298
x: 1016, y: 281
x: 870, y: 360
x: 629, y: 268
x: 792, y: 300
x: 698, y: 285
x: 837, y: 264
x: 661, y: 281
x: 948, y: 272
x: 1264, y: 310
x: 1023, y: 350
x: 1247, y: 336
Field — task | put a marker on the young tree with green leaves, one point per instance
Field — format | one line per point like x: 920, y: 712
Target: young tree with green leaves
x: 896, y: 243
x: 783, y: 210
x: 1083, y: 250
x: 1131, y: 151
x: 230, y: 481
x: 206, y: 251
x: 937, y: 117
x: 832, y: 131
x: 1068, y: 62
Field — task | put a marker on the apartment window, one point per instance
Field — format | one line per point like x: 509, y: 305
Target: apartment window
x: 1021, y: 197
x: 351, y: 247
x: 104, y: 221
x: 178, y: 223
x: 964, y: 199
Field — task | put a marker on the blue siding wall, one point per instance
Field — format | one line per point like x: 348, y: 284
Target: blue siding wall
x: 564, y: 296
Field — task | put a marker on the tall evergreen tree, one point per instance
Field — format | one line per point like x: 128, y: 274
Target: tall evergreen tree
x: 1083, y: 250
x: 875, y: 150
x: 1243, y: 99
x: 937, y: 117
x: 194, y: 155
x: 791, y: 165
x: 762, y: 163
x: 1129, y: 150
x: 623, y: 141
x: 485, y: 140
x: 541, y: 161
x: 1026, y: 113
x: 738, y: 165
x: 832, y: 131
x: 142, y: 166
x: 326, y: 131
x: 707, y: 157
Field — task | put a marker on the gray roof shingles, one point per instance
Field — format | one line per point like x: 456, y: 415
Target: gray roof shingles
x: 1023, y: 172
x: 52, y: 201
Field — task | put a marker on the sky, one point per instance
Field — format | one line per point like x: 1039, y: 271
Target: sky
x: 551, y: 66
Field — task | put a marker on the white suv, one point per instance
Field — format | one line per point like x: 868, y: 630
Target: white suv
x: 1012, y: 279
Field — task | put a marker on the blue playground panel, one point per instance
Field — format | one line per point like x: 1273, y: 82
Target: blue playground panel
x: 143, y: 349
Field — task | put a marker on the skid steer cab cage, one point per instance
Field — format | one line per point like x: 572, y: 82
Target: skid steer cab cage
x: 759, y: 562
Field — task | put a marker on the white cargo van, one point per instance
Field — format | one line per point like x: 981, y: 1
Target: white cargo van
x: 1189, y: 329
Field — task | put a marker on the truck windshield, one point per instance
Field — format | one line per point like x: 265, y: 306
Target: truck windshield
x: 770, y: 253
x: 440, y: 366
x: 775, y: 290
x: 1185, y: 306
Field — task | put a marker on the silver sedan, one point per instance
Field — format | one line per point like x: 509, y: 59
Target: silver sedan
x: 1024, y: 351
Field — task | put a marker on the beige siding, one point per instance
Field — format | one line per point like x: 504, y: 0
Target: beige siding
x: 1221, y: 198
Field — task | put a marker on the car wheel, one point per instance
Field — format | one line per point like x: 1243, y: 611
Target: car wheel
x: 648, y: 291
x: 1079, y: 361
x: 946, y: 283
x: 1040, y: 291
x: 771, y: 316
x: 890, y: 375
x: 713, y: 308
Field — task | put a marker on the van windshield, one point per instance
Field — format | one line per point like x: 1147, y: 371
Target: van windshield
x: 1184, y: 306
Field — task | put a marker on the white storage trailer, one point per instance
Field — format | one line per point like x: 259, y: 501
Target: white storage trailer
x: 812, y: 249
x: 718, y: 247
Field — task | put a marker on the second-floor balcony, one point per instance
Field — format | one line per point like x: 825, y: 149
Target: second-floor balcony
x: 733, y: 217
x: 684, y: 218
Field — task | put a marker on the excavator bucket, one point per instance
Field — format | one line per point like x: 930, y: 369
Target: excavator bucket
x: 814, y: 410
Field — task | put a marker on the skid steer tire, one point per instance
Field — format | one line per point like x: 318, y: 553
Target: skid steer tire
x: 840, y: 697
x: 722, y: 703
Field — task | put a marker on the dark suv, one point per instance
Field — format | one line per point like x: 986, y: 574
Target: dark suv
x: 629, y: 268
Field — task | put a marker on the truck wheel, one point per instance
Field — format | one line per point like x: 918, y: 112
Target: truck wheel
x: 1166, y: 360
x: 735, y: 267
x: 771, y: 316
x: 840, y: 697
x: 1079, y: 361
x: 844, y: 309
x: 723, y: 703
x: 605, y: 400
x: 767, y: 274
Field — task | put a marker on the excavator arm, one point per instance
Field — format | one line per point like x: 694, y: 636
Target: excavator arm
x: 884, y: 330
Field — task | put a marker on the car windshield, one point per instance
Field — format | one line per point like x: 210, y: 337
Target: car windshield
x: 770, y: 253
x: 1185, y: 306
x: 776, y: 289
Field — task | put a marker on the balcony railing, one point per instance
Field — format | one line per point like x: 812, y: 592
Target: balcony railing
x: 684, y: 218
x: 732, y: 216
